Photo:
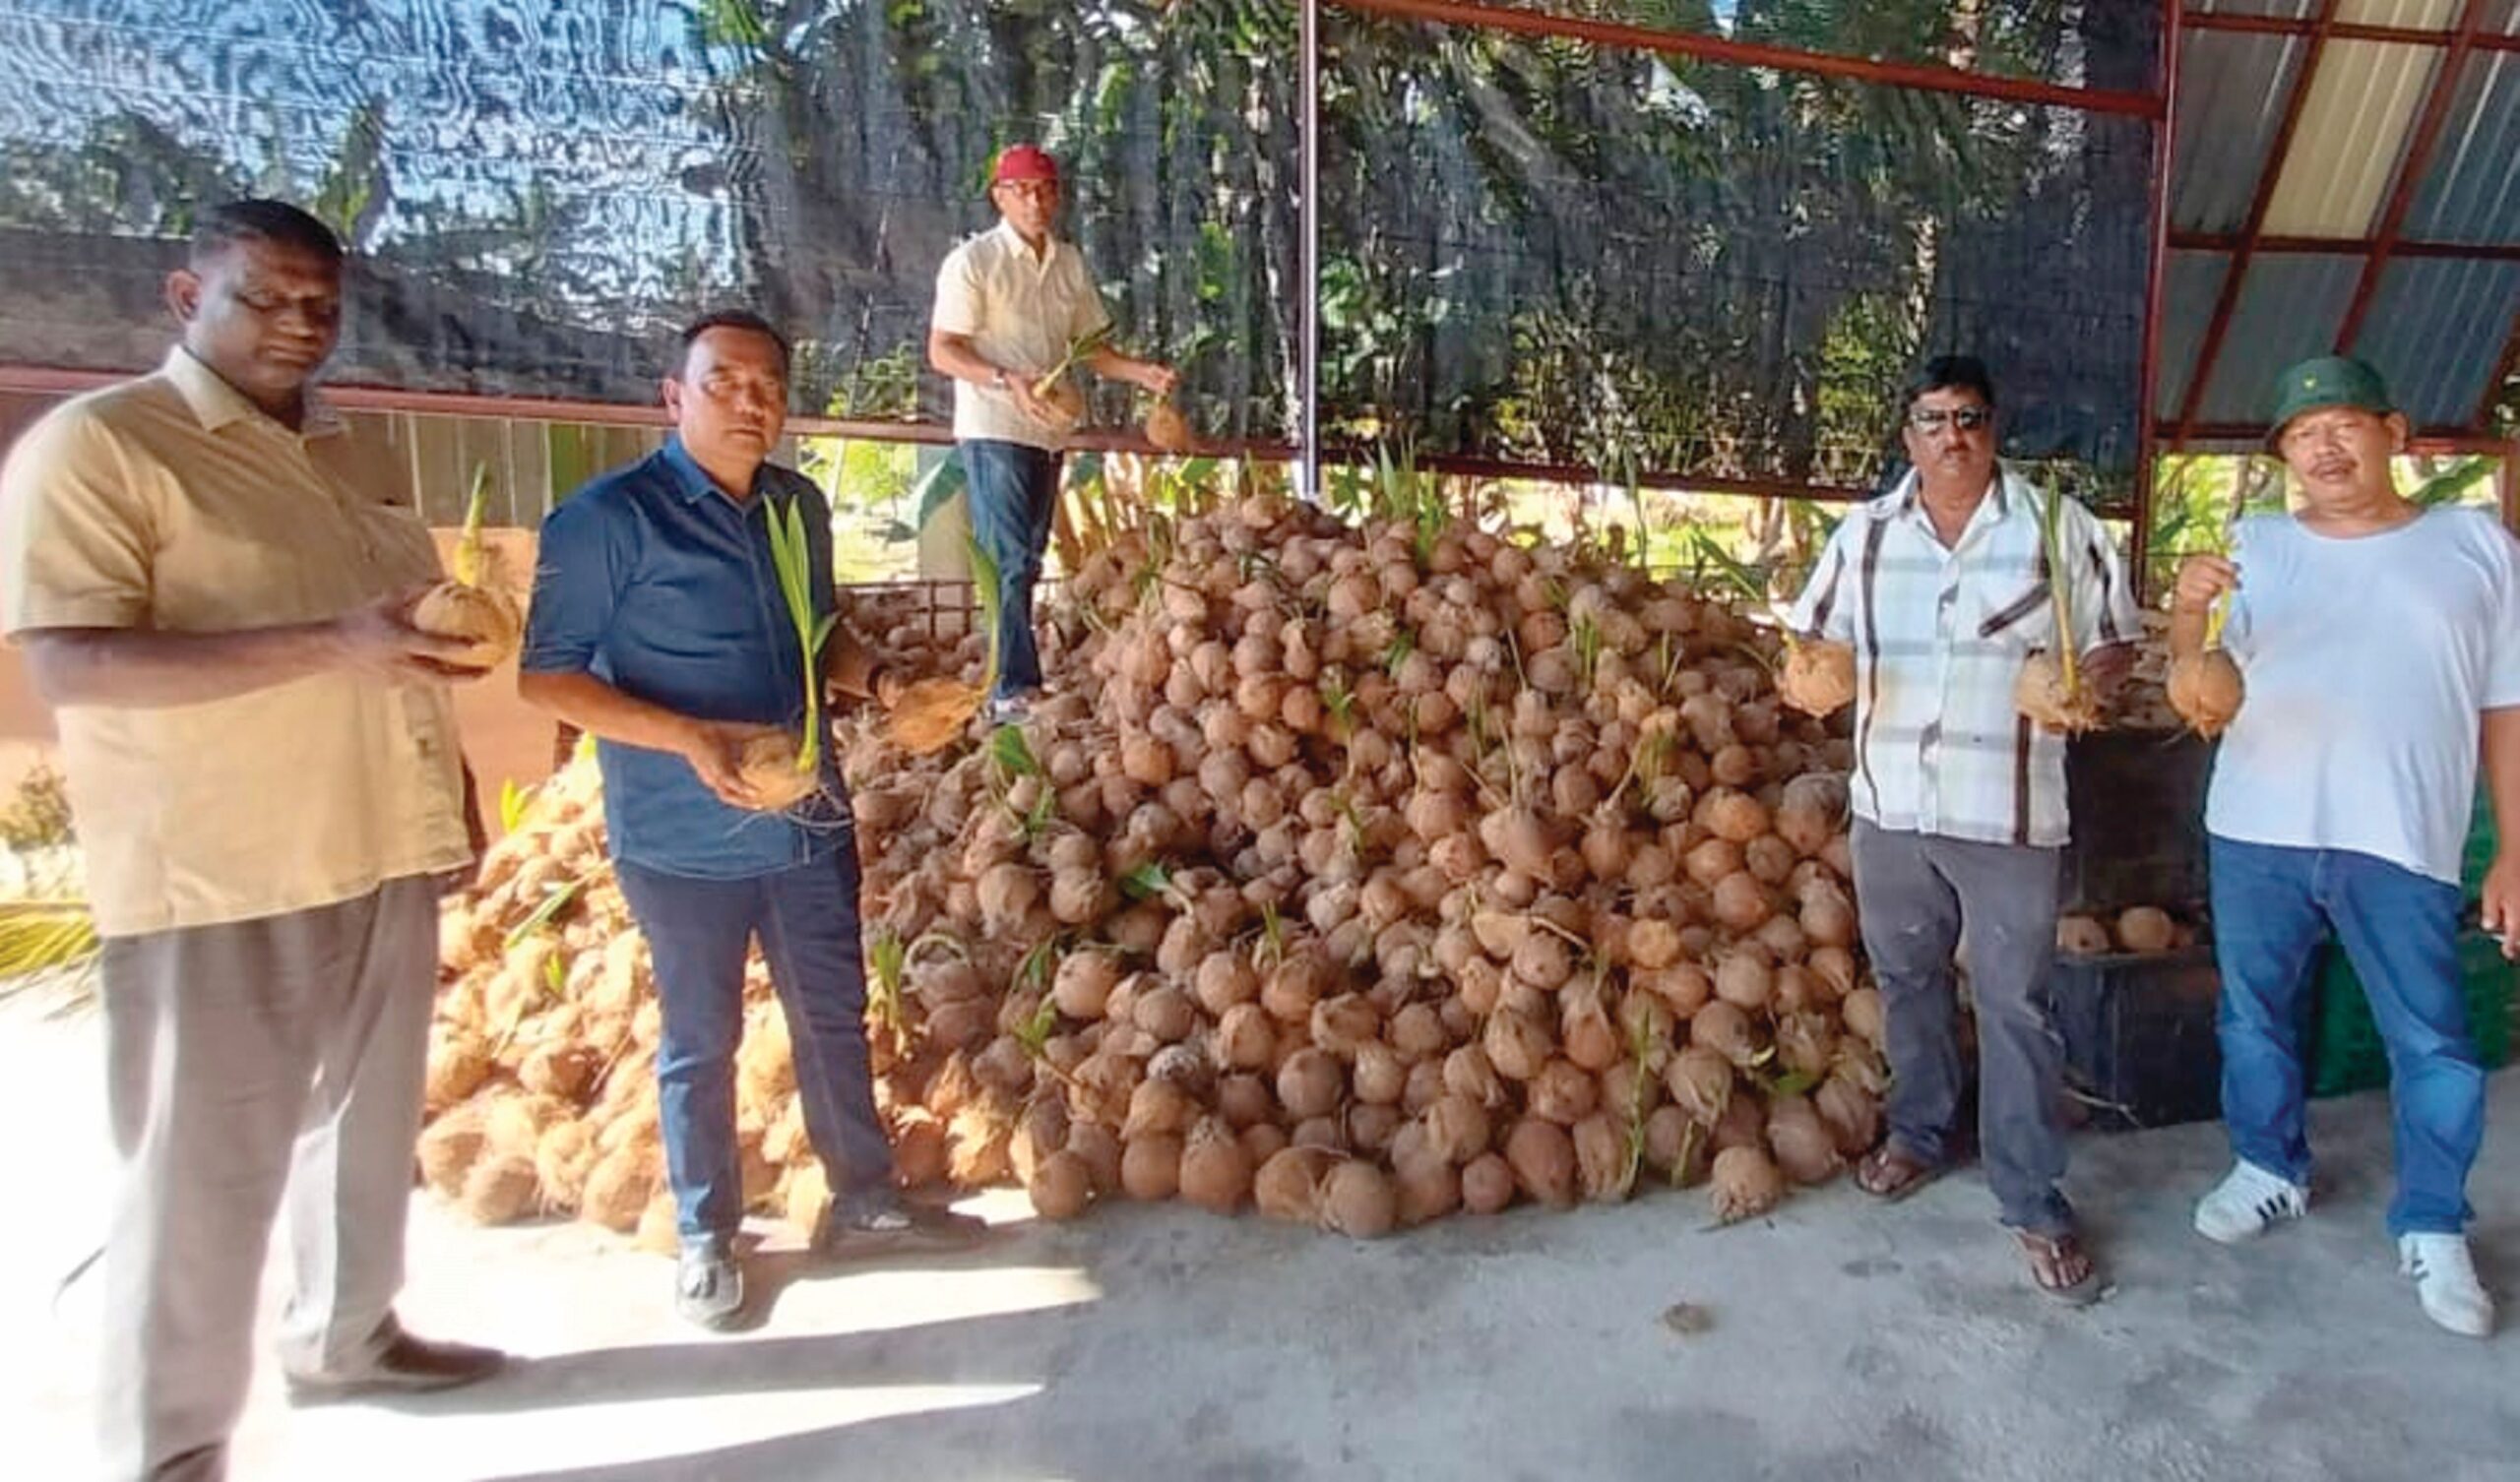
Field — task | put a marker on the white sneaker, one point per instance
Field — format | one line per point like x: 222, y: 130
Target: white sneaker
x: 2445, y: 1283
x: 2247, y: 1202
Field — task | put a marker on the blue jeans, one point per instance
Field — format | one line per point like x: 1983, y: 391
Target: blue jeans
x: 698, y: 931
x: 2272, y: 907
x: 1014, y: 494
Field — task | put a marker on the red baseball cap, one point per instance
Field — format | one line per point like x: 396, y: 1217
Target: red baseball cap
x: 1024, y: 161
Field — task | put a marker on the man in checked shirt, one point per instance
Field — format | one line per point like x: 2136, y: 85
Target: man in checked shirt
x: 1941, y: 587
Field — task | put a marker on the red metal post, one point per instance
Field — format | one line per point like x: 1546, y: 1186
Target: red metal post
x: 2411, y: 168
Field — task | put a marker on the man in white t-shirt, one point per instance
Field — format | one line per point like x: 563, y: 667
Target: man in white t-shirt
x: 2380, y: 645
x: 1009, y: 302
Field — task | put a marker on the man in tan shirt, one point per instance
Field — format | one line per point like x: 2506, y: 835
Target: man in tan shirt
x: 1009, y: 302
x: 262, y: 761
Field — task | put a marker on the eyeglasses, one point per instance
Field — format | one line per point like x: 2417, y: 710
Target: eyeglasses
x: 1966, y: 419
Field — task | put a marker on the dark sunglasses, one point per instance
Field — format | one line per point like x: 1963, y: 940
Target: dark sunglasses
x: 1966, y: 419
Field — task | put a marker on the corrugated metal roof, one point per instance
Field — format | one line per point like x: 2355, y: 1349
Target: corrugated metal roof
x: 2189, y: 285
x: 2291, y: 306
x: 2435, y: 329
x: 2414, y: 14
x: 2470, y: 191
x: 2232, y: 90
x: 2352, y: 129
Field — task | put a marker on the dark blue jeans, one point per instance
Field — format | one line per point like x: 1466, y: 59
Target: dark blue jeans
x: 698, y: 931
x: 2272, y: 907
x: 1014, y: 495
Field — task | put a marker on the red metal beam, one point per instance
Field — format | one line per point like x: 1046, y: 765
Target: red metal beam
x: 2224, y: 241
x: 2165, y: 82
x: 2411, y: 167
x: 2210, y: 349
x: 1917, y: 75
x: 2343, y: 30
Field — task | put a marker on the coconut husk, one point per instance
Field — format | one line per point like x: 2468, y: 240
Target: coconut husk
x: 2206, y: 691
x: 618, y: 1190
x: 1818, y: 677
x: 1061, y: 1187
x: 1744, y: 1183
x: 499, y: 1190
x: 931, y: 714
x: 657, y: 1231
x: 448, y: 1148
x: 2040, y: 693
x: 484, y: 620
x: 767, y: 765
x: 804, y: 1195
x: 562, y: 1159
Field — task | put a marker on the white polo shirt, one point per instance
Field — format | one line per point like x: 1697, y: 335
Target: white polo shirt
x: 1939, y: 637
x: 1022, y: 310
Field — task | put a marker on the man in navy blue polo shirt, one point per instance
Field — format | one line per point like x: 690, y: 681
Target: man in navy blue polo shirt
x: 659, y: 627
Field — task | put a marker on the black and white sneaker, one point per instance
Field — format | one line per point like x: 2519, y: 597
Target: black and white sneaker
x: 2248, y: 1203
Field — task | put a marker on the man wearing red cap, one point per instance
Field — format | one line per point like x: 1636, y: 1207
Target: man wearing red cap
x: 1009, y: 302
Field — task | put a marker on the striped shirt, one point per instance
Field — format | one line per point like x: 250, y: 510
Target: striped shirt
x: 1939, y: 637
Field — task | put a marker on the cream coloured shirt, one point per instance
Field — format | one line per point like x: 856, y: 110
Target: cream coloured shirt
x: 171, y: 502
x: 1022, y: 311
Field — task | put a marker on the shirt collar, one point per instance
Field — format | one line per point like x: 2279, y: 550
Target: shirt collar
x: 693, y: 482
x: 1015, y: 243
x: 1909, y: 492
x: 214, y: 404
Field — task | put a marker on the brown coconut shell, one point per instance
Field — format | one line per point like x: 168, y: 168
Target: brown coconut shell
x: 1289, y: 1185
x: 1542, y: 1159
x: 768, y: 766
x: 1358, y: 1200
x: 484, y: 620
x: 1744, y: 1183
x: 1817, y: 677
x: 1061, y: 1187
x: 500, y: 1190
x: 2206, y: 691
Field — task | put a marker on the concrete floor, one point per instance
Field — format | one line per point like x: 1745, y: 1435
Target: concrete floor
x: 1845, y: 1340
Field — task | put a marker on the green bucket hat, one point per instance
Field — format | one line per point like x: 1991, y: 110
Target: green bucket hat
x: 2328, y: 380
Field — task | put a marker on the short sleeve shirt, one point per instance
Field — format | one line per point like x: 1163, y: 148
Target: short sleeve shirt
x: 173, y: 503
x: 1022, y: 311
x: 1939, y: 637
x: 654, y: 581
x: 2369, y: 663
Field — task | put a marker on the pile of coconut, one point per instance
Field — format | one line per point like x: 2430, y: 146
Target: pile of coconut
x: 1355, y: 875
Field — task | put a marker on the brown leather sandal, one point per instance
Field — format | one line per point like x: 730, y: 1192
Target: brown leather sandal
x: 1891, y: 1173
x: 2060, y: 1267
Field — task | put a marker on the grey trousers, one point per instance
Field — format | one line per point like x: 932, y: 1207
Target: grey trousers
x: 1918, y: 895
x: 244, y: 1060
